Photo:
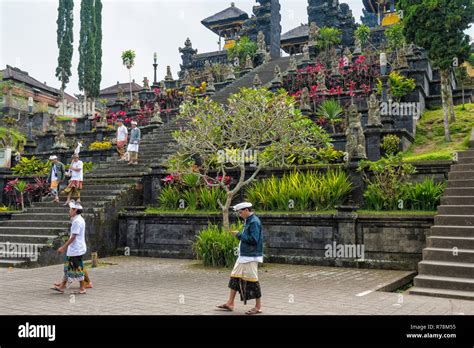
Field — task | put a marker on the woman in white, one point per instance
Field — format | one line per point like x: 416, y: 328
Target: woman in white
x: 75, y: 183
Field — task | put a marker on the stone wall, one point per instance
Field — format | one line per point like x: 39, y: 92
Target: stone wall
x: 390, y: 242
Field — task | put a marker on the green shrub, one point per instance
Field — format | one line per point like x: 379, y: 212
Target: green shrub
x: 390, y: 144
x: 400, y: 85
x: 300, y: 191
x: 169, y: 197
x: 216, y: 247
x: 191, y: 198
x: 208, y: 197
x: 31, y: 166
x: 425, y: 195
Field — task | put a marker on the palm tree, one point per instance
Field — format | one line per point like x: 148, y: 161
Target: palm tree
x: 331, y: 111
x: 128, y: 59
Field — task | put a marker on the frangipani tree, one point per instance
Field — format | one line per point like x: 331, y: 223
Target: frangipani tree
x: 257, y: 129
x: 128, y: 59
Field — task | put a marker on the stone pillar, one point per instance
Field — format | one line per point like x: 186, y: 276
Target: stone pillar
x: 346, y: 218
x: 356, y: 196
x: 373, y: 138
x: 152, y: 184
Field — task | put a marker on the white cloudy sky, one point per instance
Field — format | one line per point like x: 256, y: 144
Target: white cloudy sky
x: 28, y: 34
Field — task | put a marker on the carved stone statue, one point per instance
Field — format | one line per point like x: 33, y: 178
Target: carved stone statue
x: 278, y: 77
x: 358, y: 47
x: 293, y: 67
x: 374, y: 118
x: 210, y: 83
x: 304, y: 100
x: 60, y: 140
x: 257, y: 83
x: 347, y: 55
x: 7, y: 141
x: 313, y: 34
x: 53, y: 124
x: 146, y: 83
x: 306, y: 53
x: 120, y: 93
x: 230, y: 73
x: 402, y: 57
x: 355, y: 138
x: 248, y: 63
x: 135, y: 102
x: 168, y: 76
x: 186, y: 78
x: 321, y: 80
x: 156, y: 114
x: 267, y: 58
x: 262, y: 47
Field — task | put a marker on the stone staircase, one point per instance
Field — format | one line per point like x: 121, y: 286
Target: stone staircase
x: 447, y: 269
x: 264, y: 71
x: 108, y: 187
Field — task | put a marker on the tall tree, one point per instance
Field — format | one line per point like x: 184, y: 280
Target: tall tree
x: 87, y: 58
x: 98, y: 47
x: 64, y: 39
x: 438, y: 26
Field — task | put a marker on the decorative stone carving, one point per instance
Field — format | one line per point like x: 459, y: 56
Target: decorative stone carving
x: 186, y: 78
x: 120, y: 93
x: 156, y: 119
x: 347, y: 56
x: 262, y: 47
x: 257, y: 83
x: 278, y: 77
x: 60, y: 141
x: 402, y: 58
x: 169, y: 76
x: 313, y: 34
x: 53, y: 124
x: 374, y: 118
x: 210, y: 84
x: 358, y: 47
x: 146, y: 83
x: 248, y: 63
x: 304, y: 100
x: 355, y: 138
x: 135, y: 102
x: 293, y: 66
x: 230, y: 73
x: 267, y: 57
x: 306, y: 53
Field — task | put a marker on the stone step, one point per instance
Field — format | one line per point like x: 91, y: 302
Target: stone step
x: 448, y: 254
x: 44, y: 209
x: 450, y: 242
x: 459, y: 191
x: 21, y: 239
x: 93, y: 191
x: 41, y: 216
x: 448, y: 283
x: 456, y: 209
x: 457, y: 200
x: 111, y: 181
x: 35, y: 223
x: 452, y: 231
x: 467, y: 153
x: 446, y: 269
x: 115, y: 176
x: 50, y: 231
x: 461, y: 295
x: 462, y: 168
x: 6, y: 263
x: 460, y: 183
x: 454, y: 220
x: 465, y: 160
x: 98, y: 186
x: 457, y: 175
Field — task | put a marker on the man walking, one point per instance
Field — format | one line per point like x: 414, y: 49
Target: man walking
x: 244, y: 276
x: 76, y: 248
x: 57, y: 172
x: 122, y: 137
x: 132, y: 148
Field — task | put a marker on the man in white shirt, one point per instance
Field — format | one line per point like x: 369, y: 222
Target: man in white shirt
x: 76, y: 248
x: 122, y: 138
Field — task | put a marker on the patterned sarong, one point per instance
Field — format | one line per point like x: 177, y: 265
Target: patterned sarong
x: 74, y: 268
x: 244, y: 280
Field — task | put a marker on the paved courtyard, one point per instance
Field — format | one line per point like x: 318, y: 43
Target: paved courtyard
x: 133, y: 285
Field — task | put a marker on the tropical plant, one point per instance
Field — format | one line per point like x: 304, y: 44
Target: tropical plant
x: 243, y: 47
x: 169, y: 197
x: 425, y: 195
x: 385, y: 177
x: 31, y: 166
x: 39, y: 189
x: 217, y: 247
x: 362, y: 33
x: 391, y: 144
x: 128, y: 59
x: 191, y: 198
x: 100, y: 145
x: 400, y: 85
x: 394, y: 36
x: 331, y: 111
x: 209, y: 197
x: 260, y: 125
x: 328, y: 37
x: 21, y: 187
x: 299, y: 191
